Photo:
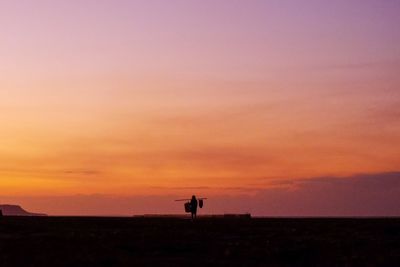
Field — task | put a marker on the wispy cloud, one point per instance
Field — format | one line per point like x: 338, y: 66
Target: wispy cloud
x: 86, y: 172
x: 393, y: 63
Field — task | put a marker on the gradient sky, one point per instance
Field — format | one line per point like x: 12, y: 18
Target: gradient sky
x: 143, y: 101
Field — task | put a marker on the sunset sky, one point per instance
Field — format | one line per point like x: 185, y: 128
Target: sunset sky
x: 272, y: 107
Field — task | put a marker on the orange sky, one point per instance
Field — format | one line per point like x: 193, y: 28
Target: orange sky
x: 146, y: 98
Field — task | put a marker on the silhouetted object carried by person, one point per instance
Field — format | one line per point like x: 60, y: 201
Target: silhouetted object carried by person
x: 192, y: 204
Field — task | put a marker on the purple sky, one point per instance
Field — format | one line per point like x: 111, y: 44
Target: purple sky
x: 124, y: 100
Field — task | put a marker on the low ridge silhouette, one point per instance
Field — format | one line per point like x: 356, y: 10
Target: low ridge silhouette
x: 16, y: 210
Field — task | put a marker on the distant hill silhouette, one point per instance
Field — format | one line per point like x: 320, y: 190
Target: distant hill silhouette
x: 16, y: 210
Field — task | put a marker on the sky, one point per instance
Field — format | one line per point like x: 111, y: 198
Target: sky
x: 279, y: 108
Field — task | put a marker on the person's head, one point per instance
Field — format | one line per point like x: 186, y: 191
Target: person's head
x: 193, y: 197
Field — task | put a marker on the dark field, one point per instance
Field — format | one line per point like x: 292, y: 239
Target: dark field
x: 86, y: 241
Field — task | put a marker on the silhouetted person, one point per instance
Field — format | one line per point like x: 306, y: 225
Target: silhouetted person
x: 193, y: 207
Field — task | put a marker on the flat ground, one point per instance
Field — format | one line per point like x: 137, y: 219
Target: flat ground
x: 89, y: 241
